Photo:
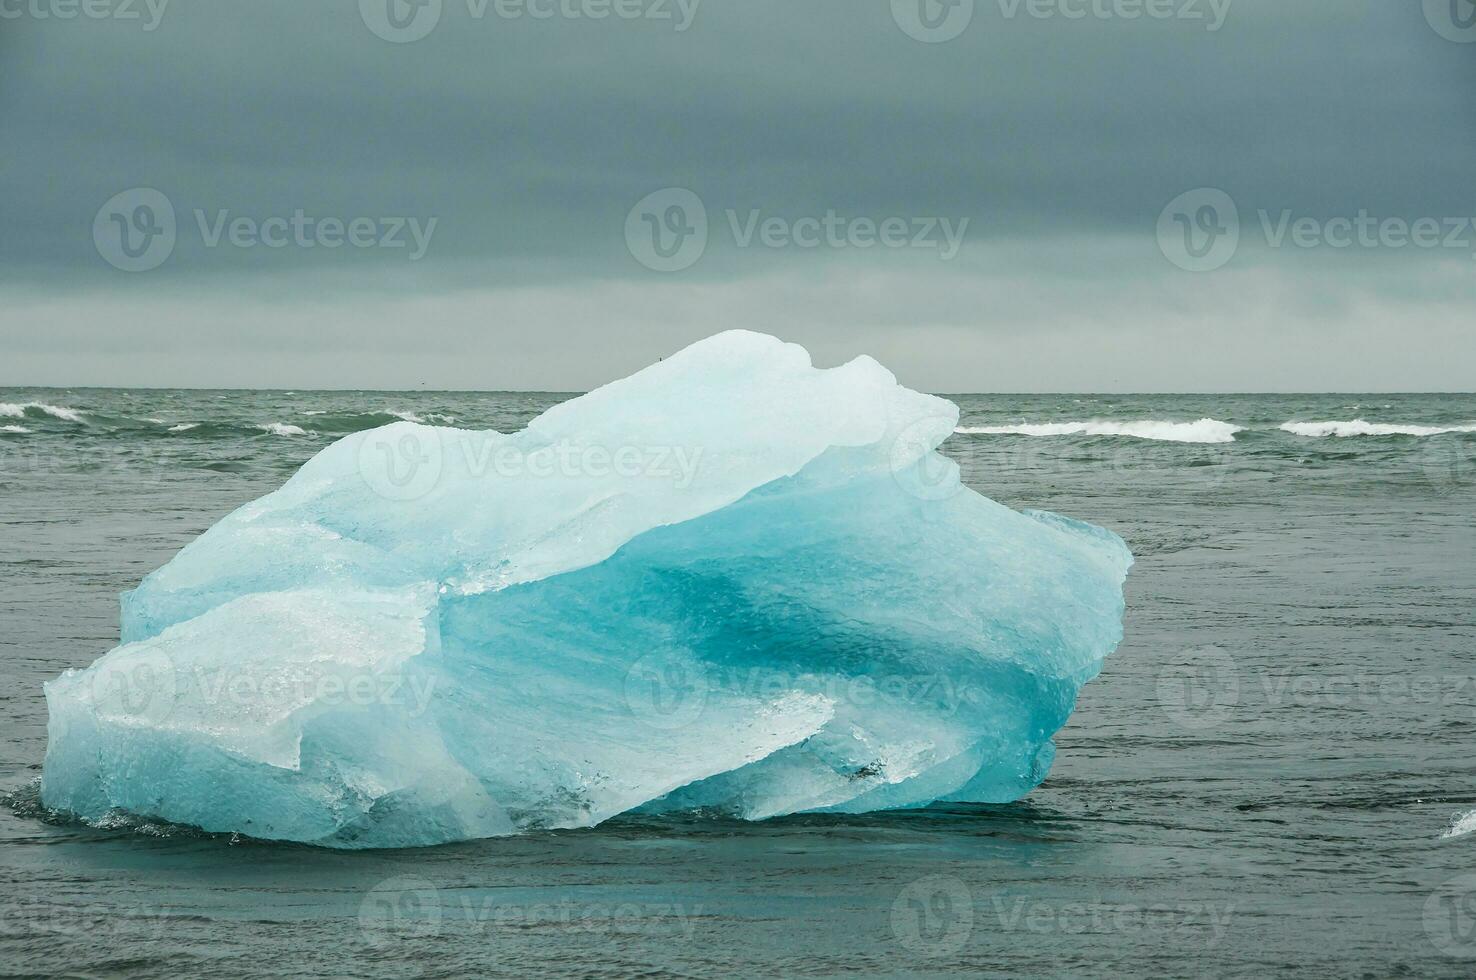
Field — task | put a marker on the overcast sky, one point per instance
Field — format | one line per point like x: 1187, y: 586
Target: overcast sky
x: 985, y: 196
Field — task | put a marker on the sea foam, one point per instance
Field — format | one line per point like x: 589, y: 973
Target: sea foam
x: 1461, y: 826
x: 16, y: 411
x: 1204, y: 431
x: 1359, y: 427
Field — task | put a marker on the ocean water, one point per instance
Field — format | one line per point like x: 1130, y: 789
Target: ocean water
x: 1274, y: 775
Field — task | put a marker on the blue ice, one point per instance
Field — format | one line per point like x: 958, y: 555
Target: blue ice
x: 731, y: 582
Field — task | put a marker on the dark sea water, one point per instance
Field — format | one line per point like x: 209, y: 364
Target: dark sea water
x: 1259, y: 784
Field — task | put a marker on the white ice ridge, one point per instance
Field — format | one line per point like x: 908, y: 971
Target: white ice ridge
x: 1359, y: 427
x: 731, y: 582
x: 1204, y: 431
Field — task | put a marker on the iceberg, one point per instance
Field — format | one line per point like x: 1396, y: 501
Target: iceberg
x: 732, y: 583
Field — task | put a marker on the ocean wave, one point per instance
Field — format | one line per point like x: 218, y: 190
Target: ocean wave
x: 342, y: 423
x: 18, y: 411
x: 280, y: 429
x: 1359, y: 427
x: 1205, y: 430
x: 207, y: 430
x: 1461, y: 826
x: 18, y: 430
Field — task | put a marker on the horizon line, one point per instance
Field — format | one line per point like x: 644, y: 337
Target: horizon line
x: 571, y: 391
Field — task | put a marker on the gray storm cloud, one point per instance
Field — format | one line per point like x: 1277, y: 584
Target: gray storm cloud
x: 456, y: 181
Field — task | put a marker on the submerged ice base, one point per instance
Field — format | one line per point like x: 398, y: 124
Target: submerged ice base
x: 732, y: 582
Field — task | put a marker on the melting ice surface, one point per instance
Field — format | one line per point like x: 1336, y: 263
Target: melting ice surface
x: 730, y: 582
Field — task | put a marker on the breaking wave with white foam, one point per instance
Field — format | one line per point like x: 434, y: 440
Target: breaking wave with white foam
x: 1205, y: 430
x: 1359, y: 427
x: 280, y: 429
x: 1461, y: 826
x: 19, y: 411
x: 18, y: 430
